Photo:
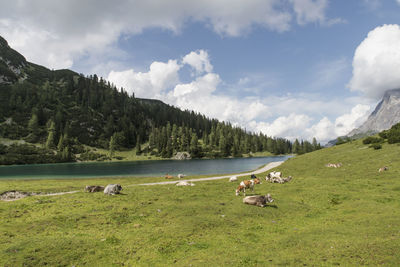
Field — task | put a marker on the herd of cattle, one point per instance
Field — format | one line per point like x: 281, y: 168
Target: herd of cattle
x: 261, y: 201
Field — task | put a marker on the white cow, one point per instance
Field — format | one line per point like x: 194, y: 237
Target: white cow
x: 273, y: 175
x: 233, y: 179
x: 180, y: 176
x: 112, y: 189
x: 185, y: 183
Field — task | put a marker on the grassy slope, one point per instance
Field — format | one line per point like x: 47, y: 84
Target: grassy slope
x: 324, y: 216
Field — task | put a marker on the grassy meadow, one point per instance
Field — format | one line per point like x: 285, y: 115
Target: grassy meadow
x: 347, y: 216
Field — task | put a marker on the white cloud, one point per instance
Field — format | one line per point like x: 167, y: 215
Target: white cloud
x: 199, y: 61
x: 290, y: 127
x: 376, y: 63
x: 309, y: 11
x: 151, y: 84
x: 296, y: 113
x: 347, y: 122
x: 57, y: 33
x: 300, y: 126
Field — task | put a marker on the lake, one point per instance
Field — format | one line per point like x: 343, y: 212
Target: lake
x: 135, y: 168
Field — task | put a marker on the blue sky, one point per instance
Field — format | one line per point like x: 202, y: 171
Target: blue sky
x: 286, y: 68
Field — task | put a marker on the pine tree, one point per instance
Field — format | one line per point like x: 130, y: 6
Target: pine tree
x: 314, y: 144
x: 296, y: 147
x: 33, y: 124
x: 194, y: 146
x: 51, y: 135
x: 138, y: 148
x: 111, y: 146
x: 60, y: 145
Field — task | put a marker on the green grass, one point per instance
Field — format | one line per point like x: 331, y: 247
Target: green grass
x: 348, y: 216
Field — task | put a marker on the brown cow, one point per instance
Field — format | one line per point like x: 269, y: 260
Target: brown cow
x: 167, y: 176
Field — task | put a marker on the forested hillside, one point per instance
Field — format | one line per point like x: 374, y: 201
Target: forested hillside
x: 64, y: 112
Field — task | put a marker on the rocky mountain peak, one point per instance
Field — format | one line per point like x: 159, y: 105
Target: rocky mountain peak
x: 385, y: 115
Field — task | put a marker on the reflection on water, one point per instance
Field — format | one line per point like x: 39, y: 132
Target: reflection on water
x: 135, y: 168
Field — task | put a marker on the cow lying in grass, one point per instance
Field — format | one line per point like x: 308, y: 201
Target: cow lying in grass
x: 167, y: 176
x: 185, y: 183
x: 112, y: 189
x: 333, y: 165
x: 260, y: 201
x: 273, y: 174
x: 247, y: 184
x: 94, y: 188
x: 384, y: 168
x: 233, y: 179
x: 278, y: 180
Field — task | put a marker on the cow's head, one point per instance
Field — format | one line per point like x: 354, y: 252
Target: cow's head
x: 268, y: 198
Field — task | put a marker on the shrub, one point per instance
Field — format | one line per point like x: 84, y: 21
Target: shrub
x: 384, y: 134
x: 394, y: 136
x: 376, y: 146
x: 372, y: 140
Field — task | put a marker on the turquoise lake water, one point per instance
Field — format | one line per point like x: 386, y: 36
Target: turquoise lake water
x: 135, y: 168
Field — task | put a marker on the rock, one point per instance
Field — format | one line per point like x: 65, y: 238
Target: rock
x: 13, y: 195
x: 182, y: 156
x: 385, y: 115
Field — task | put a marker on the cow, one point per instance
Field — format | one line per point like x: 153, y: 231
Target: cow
x: 180, y: 176
x: 246, y: 184
x: 185, y: 183
x: 233, y: 179
x: 257, y: 181
x: 279, y: 180
x: 384, y: 168
x: 112, y: 189
x: 167, y: 176
x: 337, y: 165
x: 260, y: 201
x: 273, y: 175
x: 94, y: 188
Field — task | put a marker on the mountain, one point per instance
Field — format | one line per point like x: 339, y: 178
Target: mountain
x: 70, y: 114
x: 385, y: 115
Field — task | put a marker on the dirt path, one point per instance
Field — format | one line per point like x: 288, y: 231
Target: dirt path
x: 267, y: 167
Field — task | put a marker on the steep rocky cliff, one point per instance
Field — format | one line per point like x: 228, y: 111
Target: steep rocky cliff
x: 386, y: 114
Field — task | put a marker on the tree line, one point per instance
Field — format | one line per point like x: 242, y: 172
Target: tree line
x: 66, y: 111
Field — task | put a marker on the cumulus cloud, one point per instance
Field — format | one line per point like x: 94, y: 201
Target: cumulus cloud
x: 301, y: 126
x: 199, y: 61
x: 290, y: 127
x: 308, y: 11
x: 347, y: 122
x: 297, y: 113
x: 56, y: 34
x: 151, y: 84
x: 376, y: 62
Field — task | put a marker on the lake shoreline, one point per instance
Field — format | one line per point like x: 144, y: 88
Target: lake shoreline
x: 134, y: 169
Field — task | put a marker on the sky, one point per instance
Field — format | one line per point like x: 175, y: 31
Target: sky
x: 287, y: 68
